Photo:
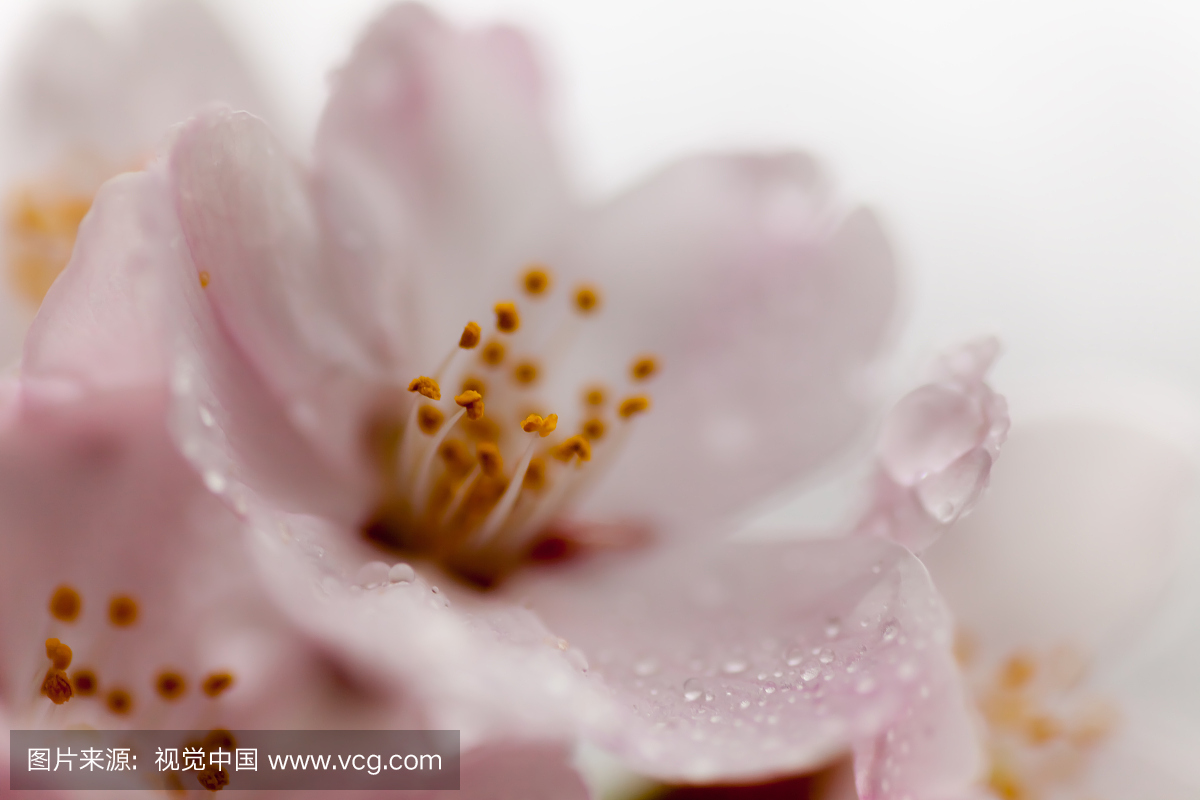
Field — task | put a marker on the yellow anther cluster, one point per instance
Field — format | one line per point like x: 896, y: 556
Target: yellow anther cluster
x: 426, y: 387
x: 429, y: 419
x: 536, y: 279
x: 472, y: 401
x: 493, y: 353
x: 490, y: 462
x: 39, y: 234
x: 633, y: 405
x: 525, y: 372
x: 587, y: 299
x: 56, y: 686
x: 643, y: 368
x: 470, y: 336
x: 65, y: 604
x: 507, y: 318
x: 122, y: 611
x: 575, y: 447
x: 544, y: 427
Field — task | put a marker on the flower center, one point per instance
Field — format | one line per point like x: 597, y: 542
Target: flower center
x: 1042, y: 724
x: 40, y: 224
x: 472, y: 479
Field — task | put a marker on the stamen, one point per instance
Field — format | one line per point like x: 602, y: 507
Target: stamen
x: 544, y: 427
x: 119, y: 701
x: 507, y: 318
x: 424, y: 473
x: 500, y: 513
x: 429, y: 419
x: 470, y: 336
x: 525, y: 372
x: 217, y: 683
x: 472, y: 402
x: 220, y: 738
x: 536, y: 279
x: 84, y: 682
x: 593, y: 429
x: 170, y: 685
x: 587, y: 299
x: 214, y: 778
x: 58, y: 653
x: 56, y: 686
x: 493, y: 353
x: 643, y: 368
x: 1017, y: 672
x: 575, y: 447
x: 204, y: 278
x: 457, y: 457
x: 426, y: 387
x: 65, y: 604
x: 595, y: 396
x: 460, y: 494
x: 473, y: 384
x: 122, y: 611
x: 633, y: 405
x: 490, y: 461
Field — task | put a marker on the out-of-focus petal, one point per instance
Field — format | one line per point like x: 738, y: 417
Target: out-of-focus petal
x: 765, y: 305
x: 1075, y: 539
x: 937, y: 448
x: 734, y: 663
x: 434, y: 145
x: 516, y: 771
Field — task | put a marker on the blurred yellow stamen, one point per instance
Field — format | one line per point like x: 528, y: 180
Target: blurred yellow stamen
x: 84, y: 682
x: 65, y: 604
x: 429, y: 419
x: 507, y: 318
x: 526, y: 372
x: 493, y: 353
x: 119, y: 701
x: 490, y: 462
x: 643, y: 368
x: 470, y: 336
x: 170, y: 685
x: 536, y: 280
x: 587, y: 299
x: 593, y: 429
x: 217, y: 683
x: 633, y: 405
x: 39, y: 235
x: 595, y: 396
x: 122, y: 611
x: 575, y: 447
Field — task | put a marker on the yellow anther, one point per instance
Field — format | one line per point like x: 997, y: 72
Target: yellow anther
x: 1017, y: 672
x: 473, y: 384
x: 204, y: 278
x: 535, y: 474
x: 473, y: 402
x: 456, y: 457
x: 216, y: 683
x: 122, y: 611
x: 470, y: 336
x: 483, y: 429
x: 526, y: 372
x: 1042, y: 728
x: 493, y: 353
x: 170, y: 685
x: 595, y: 396
x: 633, y: 405
x: 576, y: 446
x: 56, y: 686
x: 39, y: 230
x: 587, y: 299
x: 593, y: 429
x: 426, y: 387
x: 119, y: 701
x: 84, y: 682
x: 490, y: 462
x: 58, y: 653
x: 643, y: 368
x: 544, y: 427
x: 65, y: 604
x: 536, y: 279
x: 507, y: 318
x: 429, y: 419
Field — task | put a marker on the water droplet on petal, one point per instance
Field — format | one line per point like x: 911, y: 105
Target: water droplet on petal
x: 810, y: 672
x: 692, y: 690
x: 401, y: 573
x: 889, y: 632
x: 825, y: 656
x: 744, y: 704
x: 734, y: 666
x: 832, y: 629
x: 794, y: 656
x: 769, y: 687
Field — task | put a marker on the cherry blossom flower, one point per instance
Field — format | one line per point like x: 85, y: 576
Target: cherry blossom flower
x: 1061, y: 584
x: 422, y: 347
x: 84, y: 104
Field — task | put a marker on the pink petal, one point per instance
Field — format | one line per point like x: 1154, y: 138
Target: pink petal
x: 434, y: 143
x: 734, y: 663
x: 766, y: 305
x: 516, y: 771
x: 1075, y: 539
x: 936, y: 449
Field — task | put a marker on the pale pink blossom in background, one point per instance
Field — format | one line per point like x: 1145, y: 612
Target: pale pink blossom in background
x: 271, y: 315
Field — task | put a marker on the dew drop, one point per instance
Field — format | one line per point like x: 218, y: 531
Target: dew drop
x: 890, y: 632
x: 693, y: 690
x: 769, y: 687
x: 735, y: 665
x: 810, y: 672
x: 744, y: 704
x: 825, y: 656
x: 794, y: 656
x: 401, y: 573
x: 832, y: 629
x: 215, y: 481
